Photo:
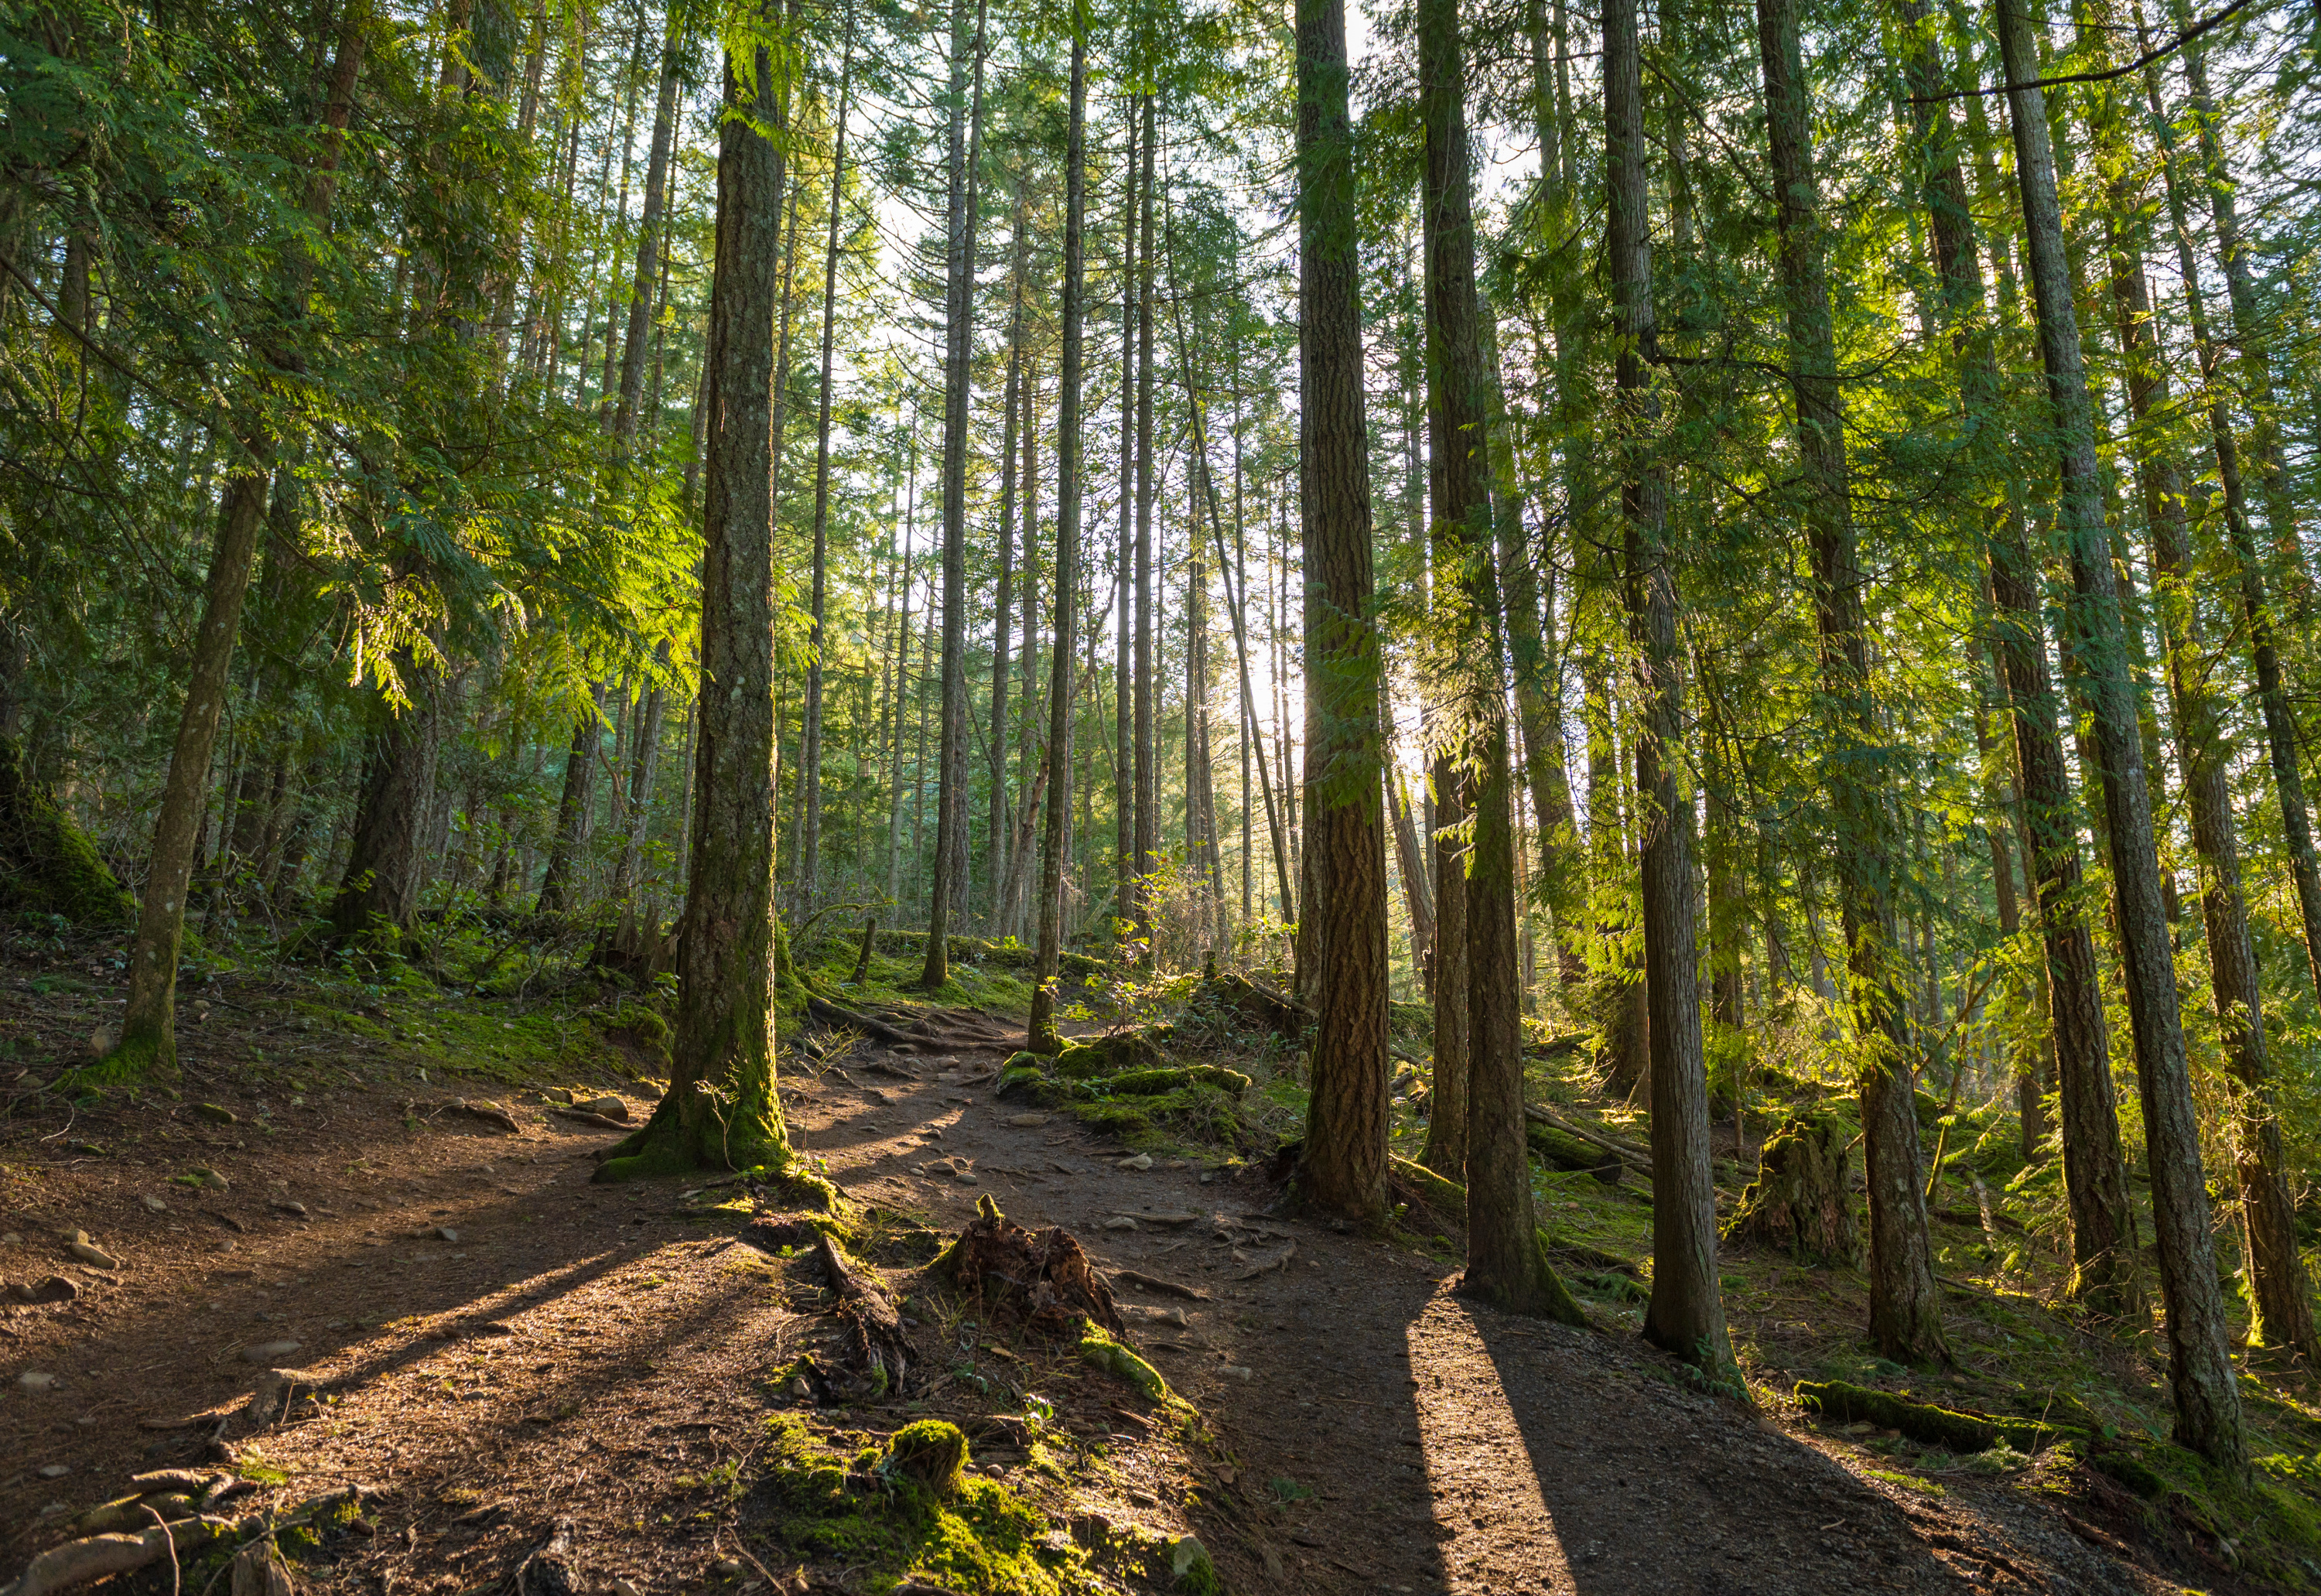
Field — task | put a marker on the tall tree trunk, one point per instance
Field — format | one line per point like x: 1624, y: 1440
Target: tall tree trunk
x: 148, y: 1038
x: 2280, y: 1301
x: 1342, y: 1168
x: 959, y: 313
x: 721, y: 1109
x: 1146, y: 842
x: 2095, y: 1168
x: 902, y: 678
x: 1686, y: 1316
x: 1040, y: 1031
x: 1126, y: 664
x: 1906, y: 1319
x: 1505, y: 1264
x: 2280, y: 1298
x: 2256, y: 600
x: 1003, y: 619
x: 575, y: 812
x: 2207, y: 1402
x: 649, y: 229
x: 809, y: 851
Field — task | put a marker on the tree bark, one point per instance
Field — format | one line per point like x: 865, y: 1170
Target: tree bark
x: 1905, y: 1321
x: 1686, y: 1316
x: 1146, y: 842
x: 148, y: 1038
x: 959, y: 315
x: 2207, y: 1402
x: 2095, y: 1168
x: 1128, y: 890
x: 721, y: 1109
x: 809, y: 853
x: 1055, y: 835
x: 1343, y: 1164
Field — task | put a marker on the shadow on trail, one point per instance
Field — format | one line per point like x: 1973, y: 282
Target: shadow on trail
x: 1636, y: 1484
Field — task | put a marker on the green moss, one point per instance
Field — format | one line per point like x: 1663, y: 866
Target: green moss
x: 1078, y: 1062
x: 1153, y: 1083
x: 1100, y: 1351
x: 932, y: 1454
x: 1962, y: 1433
x: 47, y: 865
x: 980, y: 1539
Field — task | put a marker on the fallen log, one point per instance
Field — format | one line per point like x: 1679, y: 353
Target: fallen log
x: 1560, y: 1149
x: 1640, y: 1157
x: 1962, y: 1433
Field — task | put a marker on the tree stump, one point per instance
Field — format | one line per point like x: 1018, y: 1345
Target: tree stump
x: 1801, y: 1200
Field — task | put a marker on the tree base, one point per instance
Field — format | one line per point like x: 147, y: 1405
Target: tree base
x: 665, y: 1145
x: 1544, y: 1296
x: 133, y: 1061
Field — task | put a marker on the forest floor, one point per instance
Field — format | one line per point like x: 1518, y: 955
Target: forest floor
x: 525, y: 1372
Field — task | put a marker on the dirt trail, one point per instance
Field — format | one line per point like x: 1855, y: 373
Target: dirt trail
x: 1391, y: 1437
x: 509, y: 1346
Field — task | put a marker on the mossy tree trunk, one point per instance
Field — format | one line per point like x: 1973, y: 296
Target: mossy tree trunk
x: 721, y: 1111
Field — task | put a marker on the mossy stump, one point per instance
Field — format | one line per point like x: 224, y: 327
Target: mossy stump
x: 1801, y: 1201
x: 930, y: 1452
x: 47, y: 865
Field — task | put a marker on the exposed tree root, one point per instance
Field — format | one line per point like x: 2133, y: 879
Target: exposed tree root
x: 491, y: 1114
x: 875, y: 1340
x: 1153, y: 1282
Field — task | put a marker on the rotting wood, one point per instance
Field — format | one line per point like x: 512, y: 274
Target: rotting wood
x: 1044, y: 1278
x: 875, y: 1338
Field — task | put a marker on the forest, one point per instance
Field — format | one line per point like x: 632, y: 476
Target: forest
x: 1659, y: 661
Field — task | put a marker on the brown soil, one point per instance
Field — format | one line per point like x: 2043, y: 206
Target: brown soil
x: 602, y: 1354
